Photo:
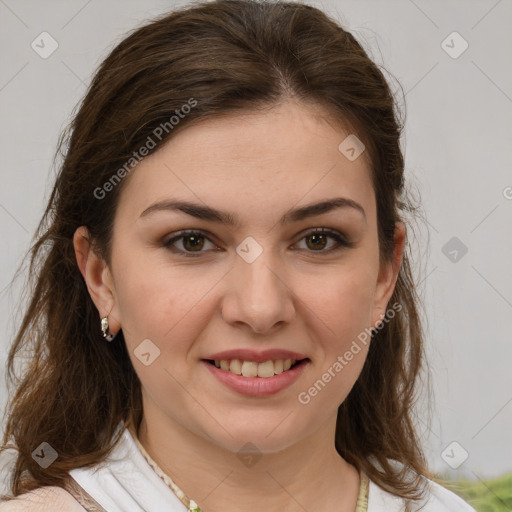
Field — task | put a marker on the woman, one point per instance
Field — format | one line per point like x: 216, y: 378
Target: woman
x: 224, y: 315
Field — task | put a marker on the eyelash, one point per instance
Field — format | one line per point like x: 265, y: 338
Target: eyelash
x: 341, y: 241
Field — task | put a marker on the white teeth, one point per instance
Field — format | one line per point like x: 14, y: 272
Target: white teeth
x: 236, y: 366
x: 249, y: 369
x: 266, y: 369
x: 253, y: 369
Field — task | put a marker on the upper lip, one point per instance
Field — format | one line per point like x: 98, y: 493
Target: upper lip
x: 257, y: 357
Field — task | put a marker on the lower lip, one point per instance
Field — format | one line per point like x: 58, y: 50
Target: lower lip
x: 258, y: 386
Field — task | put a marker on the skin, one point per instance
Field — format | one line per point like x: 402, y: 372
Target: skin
x: 296, y: 295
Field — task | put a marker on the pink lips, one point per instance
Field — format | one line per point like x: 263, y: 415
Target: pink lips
x: 256, y: 386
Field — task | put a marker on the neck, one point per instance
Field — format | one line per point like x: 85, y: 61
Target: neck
x: 216, y: 479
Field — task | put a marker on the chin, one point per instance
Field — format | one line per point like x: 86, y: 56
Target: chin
x: 263, y: 437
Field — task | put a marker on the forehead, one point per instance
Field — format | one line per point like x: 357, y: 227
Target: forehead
x: 275, y: 158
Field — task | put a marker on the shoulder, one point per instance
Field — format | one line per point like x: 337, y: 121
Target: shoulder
x: 44, y: 499
x: 437, y: 499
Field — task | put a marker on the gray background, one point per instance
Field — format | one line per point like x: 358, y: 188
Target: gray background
x: 458, y: 155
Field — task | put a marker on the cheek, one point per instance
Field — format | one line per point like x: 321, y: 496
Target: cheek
x: 162, y: 314
x: 148, y: 294
x: 170, y: 307
x: 344, y: 302
x: 340, y: 312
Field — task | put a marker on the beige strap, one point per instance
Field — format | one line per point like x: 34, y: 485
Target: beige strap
x: 362, y: 499
x: 80, y: 495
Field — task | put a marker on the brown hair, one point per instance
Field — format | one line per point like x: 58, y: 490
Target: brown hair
x: 227, y: 56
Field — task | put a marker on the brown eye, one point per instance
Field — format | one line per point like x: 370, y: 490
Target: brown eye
x: 317, y: 241
x: 191, y: 241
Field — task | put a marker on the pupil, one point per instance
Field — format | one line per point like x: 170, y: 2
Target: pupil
x: 195, y: 243
x: 317, y: 237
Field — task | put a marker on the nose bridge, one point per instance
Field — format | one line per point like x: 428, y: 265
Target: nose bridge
x: 256, y: 269
x: 260, y: 297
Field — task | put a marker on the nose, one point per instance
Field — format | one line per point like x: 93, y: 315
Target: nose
x: 258, y: 295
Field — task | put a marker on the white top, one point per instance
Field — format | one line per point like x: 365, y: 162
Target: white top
x: 125, y: 481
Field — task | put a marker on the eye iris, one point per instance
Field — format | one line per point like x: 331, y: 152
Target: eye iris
x: 195, y: 243
x: 317, y: 237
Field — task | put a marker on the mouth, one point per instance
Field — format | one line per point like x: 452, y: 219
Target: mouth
x: 257, y: 380
x: 264, y: 370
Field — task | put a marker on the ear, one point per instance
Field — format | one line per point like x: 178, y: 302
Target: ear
x: 98, y: 278
x: 388, y: 274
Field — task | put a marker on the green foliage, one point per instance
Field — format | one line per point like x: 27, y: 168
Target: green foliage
x: 483, y: 495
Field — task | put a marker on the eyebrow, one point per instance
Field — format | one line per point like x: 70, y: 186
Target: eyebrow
x: 207, y: 213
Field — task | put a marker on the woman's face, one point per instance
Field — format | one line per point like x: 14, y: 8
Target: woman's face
x: 263, y: 283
